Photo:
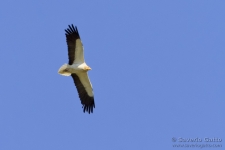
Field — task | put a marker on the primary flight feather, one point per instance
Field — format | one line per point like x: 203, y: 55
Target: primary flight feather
x: 77, y: 69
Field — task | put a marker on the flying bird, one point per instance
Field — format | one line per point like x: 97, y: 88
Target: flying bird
x: 78, y: 69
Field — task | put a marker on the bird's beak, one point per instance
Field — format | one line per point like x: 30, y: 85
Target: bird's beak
x: 87, y: 68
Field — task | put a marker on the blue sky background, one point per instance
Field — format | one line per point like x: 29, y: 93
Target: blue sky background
x: 157, y: 73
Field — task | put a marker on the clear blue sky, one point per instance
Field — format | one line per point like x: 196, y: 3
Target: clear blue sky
x: 158, y: 70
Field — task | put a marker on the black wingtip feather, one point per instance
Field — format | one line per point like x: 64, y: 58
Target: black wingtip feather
x: 71, y: 30
x: 74, y: 28
x: 88, y: 107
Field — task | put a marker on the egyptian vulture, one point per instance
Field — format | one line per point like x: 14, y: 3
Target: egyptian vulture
x: 77, y: 69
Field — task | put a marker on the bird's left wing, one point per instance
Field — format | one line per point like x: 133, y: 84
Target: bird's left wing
x: 75, y: 46
x: 85, y: 91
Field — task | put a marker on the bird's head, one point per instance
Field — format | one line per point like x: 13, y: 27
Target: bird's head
x: 87, y: 68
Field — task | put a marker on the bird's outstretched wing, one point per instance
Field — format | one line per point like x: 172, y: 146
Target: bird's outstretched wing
x: 85, y: 91
x: 75, y: 46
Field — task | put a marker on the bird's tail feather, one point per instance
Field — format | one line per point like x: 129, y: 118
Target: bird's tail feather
x: 63, y: 70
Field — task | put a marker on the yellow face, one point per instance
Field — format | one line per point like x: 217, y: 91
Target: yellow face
x: 86, y: 68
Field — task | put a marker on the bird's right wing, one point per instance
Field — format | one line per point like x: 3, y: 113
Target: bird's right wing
x: 85, y: 91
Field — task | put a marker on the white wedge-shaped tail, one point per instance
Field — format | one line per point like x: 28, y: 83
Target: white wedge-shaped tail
x: 63, y: 70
